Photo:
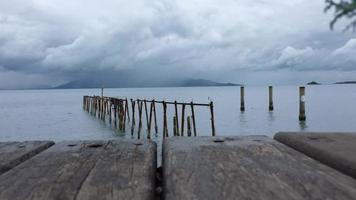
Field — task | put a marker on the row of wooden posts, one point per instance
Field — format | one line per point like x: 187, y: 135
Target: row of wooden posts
x: 302, y: 116
x: 117, y: 112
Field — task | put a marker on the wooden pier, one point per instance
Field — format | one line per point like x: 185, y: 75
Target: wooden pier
x: 247, y: 167
x: 117, y: 112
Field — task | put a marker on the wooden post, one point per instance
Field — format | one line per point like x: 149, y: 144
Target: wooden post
x: 182, y: 125
x: 83, y: 102
x: 115, y: 114
x: 133, y: 112
x: 139, y: 104
x: 189, y: 129
x: 119, y: 114
x: 212, y: 119
x: 302, y: 116
x: 146, y: 112
x: 175, y: 126
x: 176, y: 114
x: 242, y: 96
x: 165, y: 128
x: 193, y: 118
x: 155, y: 116
x: 133, y: 116
x: 105, y: 108
x: 125, y: 111
x: 150, y: 121
x: 270, y: 94
x: 101, y: 104
x: 110, y: 107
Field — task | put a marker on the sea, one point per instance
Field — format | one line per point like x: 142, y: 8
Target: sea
x: 58, y: 115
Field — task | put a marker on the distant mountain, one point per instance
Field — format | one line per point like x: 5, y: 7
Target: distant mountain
x: 124, y: 83
x: 203, y: 82
x: 346, y: 82
x: 313, y: 83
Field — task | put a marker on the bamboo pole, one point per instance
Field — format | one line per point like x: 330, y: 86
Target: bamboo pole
x: 302, y: 116
x: 193, y: 118
x: 212, y: 119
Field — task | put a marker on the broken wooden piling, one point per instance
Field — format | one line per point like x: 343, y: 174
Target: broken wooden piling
x: 242, y: 98
x: 302, y: 116
x: 270, y: 98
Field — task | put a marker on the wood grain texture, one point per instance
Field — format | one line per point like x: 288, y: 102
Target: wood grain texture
x: 337, y: 150
x: 13, y: 153
x: 85, y: 170
x: 252, y: 167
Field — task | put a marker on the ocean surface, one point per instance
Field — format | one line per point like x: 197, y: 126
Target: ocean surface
x: 58, y: 114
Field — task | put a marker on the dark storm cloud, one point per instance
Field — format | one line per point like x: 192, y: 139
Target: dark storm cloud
x: 51, y: 41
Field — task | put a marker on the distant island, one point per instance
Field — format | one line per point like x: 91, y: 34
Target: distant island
x: 120, y: 83
x: 346, y: 82
x: 313, y: 83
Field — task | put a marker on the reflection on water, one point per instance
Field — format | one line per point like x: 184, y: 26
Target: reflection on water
x: 270, y: 118
x: 58, y: 115
x: 303, y: 125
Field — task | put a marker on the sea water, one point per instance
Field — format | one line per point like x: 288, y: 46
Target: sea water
x: 58, y: 114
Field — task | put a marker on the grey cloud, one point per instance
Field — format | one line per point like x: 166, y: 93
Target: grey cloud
x: 209, y: 38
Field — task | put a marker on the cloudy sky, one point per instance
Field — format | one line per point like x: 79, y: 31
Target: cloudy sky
x: 49, y: 42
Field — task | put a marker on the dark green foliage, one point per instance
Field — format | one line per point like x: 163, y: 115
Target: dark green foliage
x: 342, y: 8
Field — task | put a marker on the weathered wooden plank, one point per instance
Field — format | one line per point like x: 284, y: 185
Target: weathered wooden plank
x: 13, y: 153
x: 338, y: 150
x: 252, y: 167
x: 85, y: 170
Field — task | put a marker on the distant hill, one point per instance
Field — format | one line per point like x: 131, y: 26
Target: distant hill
x: 78, y: 84
x: 346, y: 82
x: 313, y: 83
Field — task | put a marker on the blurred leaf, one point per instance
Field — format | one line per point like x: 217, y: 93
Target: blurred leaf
x: 342, y: 9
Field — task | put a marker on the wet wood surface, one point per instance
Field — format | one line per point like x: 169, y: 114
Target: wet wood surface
x: 252, y: 167
x: 85, y: 170
x: 14, y: 153
x: 337, y: 150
